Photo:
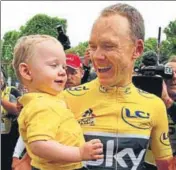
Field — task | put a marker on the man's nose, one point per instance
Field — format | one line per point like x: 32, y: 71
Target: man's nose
x: 174, y: 74
x: 98, y: 55
x: 69, y: 76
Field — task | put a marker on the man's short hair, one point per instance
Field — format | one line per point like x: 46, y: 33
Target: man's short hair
x: 25, y: 49
x: 134, y: 17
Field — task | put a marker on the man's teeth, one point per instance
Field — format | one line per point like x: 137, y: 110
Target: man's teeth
x: 103, y: 69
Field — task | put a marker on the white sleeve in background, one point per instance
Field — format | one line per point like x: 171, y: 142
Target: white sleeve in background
x: 19, y: 148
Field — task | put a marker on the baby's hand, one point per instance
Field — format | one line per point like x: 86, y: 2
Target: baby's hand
x: 92, y: 150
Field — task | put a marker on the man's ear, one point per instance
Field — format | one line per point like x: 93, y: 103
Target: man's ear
x: 139, y: 48
x: 25, y: 71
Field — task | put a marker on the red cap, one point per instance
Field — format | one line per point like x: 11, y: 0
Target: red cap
x: 73, y: 61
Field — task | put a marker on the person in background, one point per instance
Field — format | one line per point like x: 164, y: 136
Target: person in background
x: 169, y: 98
x: 53, y: 138
x: 89, y: 72
x: 9, y: 130
x: 74, y: 70
x: 110, y: 107
x: 20, y: 159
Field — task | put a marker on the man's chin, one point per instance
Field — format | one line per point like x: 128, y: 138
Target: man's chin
x: 69, y: 85
x: 106, y: 83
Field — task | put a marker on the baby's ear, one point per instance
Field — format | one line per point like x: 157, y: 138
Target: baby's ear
x: 25, y: 71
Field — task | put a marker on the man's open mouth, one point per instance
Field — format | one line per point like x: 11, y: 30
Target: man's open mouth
x: 104, y: 69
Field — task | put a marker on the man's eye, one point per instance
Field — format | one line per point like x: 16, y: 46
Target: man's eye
x: 93, y: 48
x: 75, y: 72
x: 108, y: 46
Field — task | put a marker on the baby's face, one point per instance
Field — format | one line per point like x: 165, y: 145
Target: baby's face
x: 47, y: 68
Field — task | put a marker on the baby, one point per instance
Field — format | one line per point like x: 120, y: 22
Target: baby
x: 53, y: 138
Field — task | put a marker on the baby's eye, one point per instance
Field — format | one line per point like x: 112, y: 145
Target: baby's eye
x: 53, y: 65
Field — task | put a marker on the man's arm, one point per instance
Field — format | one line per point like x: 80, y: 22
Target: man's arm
x: 160, y: 143
x: 9, y: 106
x: 86, y: 74
x: 170, y: 104
x: 19, y: 148
x: 169, y: 164
x: 172, y: 111
x: 86, y: 66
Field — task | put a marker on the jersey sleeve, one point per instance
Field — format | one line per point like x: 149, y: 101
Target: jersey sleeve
x: 160, y: 144
x: 42, y: 123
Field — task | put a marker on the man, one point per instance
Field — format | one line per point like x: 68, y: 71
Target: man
x: 74, y: 70
x: 169, y: 98
x: 169, y: 90
x: 110, y: 107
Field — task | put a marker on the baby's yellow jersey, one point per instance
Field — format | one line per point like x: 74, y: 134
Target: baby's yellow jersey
x: 45, y: 117
x: 124, y: 119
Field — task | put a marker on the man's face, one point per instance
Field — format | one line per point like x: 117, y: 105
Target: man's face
x: 74, y: 77
x: 112, y: 50
x: 47, y: 68
x: 171, y: 84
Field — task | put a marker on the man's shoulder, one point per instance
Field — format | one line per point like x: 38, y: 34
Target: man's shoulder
x: 146, y: 95
x: 81, y: 90
x: 148, y: 98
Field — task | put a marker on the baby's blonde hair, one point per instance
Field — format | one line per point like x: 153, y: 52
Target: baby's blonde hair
x: 25, y: 49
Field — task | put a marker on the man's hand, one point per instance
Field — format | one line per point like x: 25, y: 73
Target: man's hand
x: 86, y: 60
x: 15, y: 162
x: 92, y: 150
x: 165, y: 96
x: 9, y: 106
x: 169, y: 164
x: 21, y: 164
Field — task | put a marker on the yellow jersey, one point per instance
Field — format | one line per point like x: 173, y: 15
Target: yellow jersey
x: 6, y: 122
x: 45, y: 117
x: 149, y: 158
x: 124, y: 119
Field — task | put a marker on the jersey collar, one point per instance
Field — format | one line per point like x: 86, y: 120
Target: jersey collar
x: 120, y: 90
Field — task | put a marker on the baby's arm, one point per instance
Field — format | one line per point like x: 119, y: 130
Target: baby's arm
x: 56, y: 152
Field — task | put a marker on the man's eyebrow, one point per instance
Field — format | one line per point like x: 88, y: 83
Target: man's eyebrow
x: 107, y: 42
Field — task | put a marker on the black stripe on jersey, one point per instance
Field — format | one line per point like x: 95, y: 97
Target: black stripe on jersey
x: 121, y: 152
